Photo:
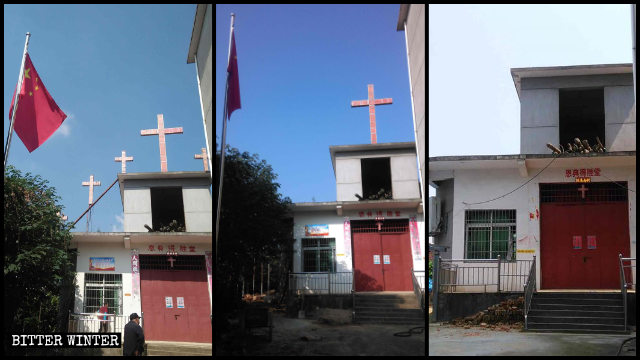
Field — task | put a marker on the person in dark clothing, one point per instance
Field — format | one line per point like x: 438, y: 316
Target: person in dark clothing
x: 133, y: 337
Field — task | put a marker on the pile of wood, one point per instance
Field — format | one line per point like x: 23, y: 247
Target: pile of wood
x: 579, y: 147
x: 381, y: 195
x: 508, y: 312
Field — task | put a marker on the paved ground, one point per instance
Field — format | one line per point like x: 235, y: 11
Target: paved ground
x: 451, y: 340
x: 308, y: 337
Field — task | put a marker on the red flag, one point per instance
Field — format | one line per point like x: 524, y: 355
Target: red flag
x: 233, y: 83
x: 37, y: 115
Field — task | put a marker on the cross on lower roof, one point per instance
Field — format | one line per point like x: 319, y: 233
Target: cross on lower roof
x: 123, y: 159
x: 161, y: 131
x: 371, y: 102
x: 90, y: 184
x: 204, y: 157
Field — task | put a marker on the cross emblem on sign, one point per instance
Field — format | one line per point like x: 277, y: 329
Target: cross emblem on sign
x: 161, y: 131
x: 371, y: 102
x: 171, y: 260
x: 583, y: 189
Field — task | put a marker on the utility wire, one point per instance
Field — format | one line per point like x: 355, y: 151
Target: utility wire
x: 528, y: 181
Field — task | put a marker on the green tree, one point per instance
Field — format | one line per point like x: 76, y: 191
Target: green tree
x: 255, y: 228
x: 38, y: 266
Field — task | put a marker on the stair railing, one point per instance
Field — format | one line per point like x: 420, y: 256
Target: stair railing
x: 623, y: 283
x: 418, y: 287
x: 529, y: 289
x: 353, y: 296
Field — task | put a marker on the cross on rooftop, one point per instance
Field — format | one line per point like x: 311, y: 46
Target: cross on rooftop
x: 123, y: 159
x: 371, y: 102
x: 161, y: 131
x: 90, y: 184
x: 204, y: 157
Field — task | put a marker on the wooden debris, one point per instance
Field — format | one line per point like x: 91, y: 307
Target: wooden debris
x: 578, y: 147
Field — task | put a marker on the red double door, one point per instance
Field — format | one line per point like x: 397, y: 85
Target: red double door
x: 382, y: 261
x: 580, y: 243
x: 175, y: 305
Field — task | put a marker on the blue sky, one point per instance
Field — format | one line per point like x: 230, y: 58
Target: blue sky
x: 111, y: 69
x: 300, y: 66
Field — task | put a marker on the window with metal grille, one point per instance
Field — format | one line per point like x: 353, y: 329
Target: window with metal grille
x: 319, y: 255
x: 386, y: 226
x: 489, y: 233
x: 180, y: 262
x: 593, y: 192
x: 101, y: 288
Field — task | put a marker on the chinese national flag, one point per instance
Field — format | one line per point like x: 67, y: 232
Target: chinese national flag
x: 233, y: 83
x: 37, y: 115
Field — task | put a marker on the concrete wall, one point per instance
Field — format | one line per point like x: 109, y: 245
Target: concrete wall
x: 446, y: 195
x: 196, y: 198
x: 404, y: 177
x: 539, y: 110
x: 415, y: 38
x: 404, y: 174
x: 620, y: 118
x: 472, y: 186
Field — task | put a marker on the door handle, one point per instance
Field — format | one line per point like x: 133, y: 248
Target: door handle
x: 176, y: 316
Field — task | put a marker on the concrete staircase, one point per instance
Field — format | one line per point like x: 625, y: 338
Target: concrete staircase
x: 171, y: 348
x: 577, y: 312
x: 388, y: 308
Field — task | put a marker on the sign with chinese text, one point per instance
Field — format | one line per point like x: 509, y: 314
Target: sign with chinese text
x: 102, y: 264
x: 316, y: 230
x: 347, y: 237
x: 376, y: 259
x: 591, y: 241
x: 135, y: 272
x: 168, y: 301
x: 386, y: 259
x: 180, y: 302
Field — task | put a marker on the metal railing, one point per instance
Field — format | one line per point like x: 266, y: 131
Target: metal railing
x: 90, y: 322
x: 466, y: 275
x: 529, y: 289
x: 321, y: 283
x: 624, y: 284
x: 418, y: 286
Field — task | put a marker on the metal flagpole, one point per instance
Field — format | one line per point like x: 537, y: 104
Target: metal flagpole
x: 224, y: 139
x: 15, y: 103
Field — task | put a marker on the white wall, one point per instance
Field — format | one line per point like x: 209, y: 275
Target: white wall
x: 481, y: 185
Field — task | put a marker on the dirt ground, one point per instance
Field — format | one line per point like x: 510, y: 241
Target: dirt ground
x: 309, y: 337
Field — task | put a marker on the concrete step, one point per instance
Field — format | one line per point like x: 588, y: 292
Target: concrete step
x: 171, y: 348
x: 388, y: 308
x: 576, y: 312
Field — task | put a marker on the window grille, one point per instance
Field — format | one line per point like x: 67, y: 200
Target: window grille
x: 489, y: 233
x: 388, y: 226
x: 595, y: 192
x: 319, y: 255
x: 181, y: 262
x: 101, y: 288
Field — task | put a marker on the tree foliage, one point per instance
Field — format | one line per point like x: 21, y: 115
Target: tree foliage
x: 38, y: 266
x: 255, y: 227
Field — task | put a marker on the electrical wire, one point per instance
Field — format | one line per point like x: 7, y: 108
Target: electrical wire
x: 528, y: 181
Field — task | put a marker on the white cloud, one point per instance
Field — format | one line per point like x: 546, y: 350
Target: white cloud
x: 120, y: 226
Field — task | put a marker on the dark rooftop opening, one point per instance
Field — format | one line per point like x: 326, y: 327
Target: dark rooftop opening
x: 376, y: 178
x: 581, y: 115
x: 167, y: 206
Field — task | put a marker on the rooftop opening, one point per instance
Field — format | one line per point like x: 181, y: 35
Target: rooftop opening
x: 581, y: 115
x: 167, y: 208
x: 376, y: 179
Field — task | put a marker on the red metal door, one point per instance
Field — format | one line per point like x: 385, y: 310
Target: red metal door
x: 396, y: 262
x: 561, y: 263
x: 608, y: 225
x: 582, y: 237
x: 190, y: 323
x: 367, y: 250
